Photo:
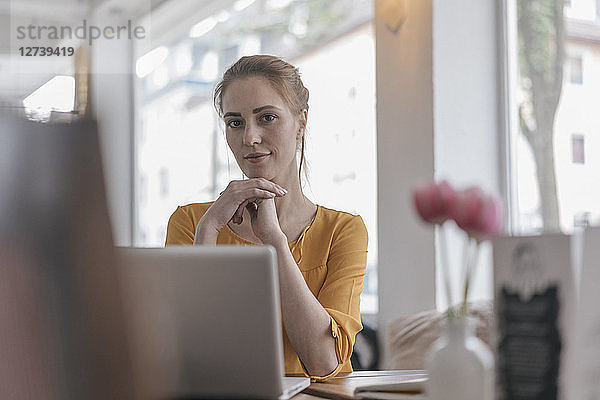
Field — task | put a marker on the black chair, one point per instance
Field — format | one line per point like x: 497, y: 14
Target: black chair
x: 366, y: 351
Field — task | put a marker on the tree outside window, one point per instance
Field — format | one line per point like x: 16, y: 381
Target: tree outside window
x: 550, y: 188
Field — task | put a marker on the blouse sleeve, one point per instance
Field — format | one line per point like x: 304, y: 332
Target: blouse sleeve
x: 340, y: 293
x: 180, y: 229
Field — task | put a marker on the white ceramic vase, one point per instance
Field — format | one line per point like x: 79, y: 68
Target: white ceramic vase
x: 460, y: 365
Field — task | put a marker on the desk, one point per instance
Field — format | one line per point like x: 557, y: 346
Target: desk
x: 342, y: 387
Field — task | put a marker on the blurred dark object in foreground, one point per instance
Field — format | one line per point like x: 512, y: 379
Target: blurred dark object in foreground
x: 366, y: 348
x: 62, y: 332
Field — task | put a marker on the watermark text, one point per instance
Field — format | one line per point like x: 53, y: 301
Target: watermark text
x: 83, y: 31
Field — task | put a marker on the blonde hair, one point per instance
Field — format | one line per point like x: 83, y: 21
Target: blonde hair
x: 283, y: 77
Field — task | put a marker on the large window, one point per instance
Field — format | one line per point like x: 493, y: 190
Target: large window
x: 180, y: 149
x: 556, y: 86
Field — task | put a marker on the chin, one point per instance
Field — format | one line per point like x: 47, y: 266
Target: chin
x: 258, y: 174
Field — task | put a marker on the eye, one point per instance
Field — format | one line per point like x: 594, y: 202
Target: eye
x: 268, y: 117
x: 234, y: 123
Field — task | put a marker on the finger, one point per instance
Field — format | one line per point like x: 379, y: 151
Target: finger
x: 239, y: 189
x: 267, y: 185
x: 238, y: 215
x: 256, y: 193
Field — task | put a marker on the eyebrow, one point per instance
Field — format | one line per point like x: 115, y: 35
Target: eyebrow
x: 259, y: 109
x: 255, y: 111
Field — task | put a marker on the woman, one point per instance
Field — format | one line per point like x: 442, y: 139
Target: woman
x: 321, y: 253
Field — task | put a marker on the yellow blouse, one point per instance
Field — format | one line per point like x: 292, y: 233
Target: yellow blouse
x: 331, y: 253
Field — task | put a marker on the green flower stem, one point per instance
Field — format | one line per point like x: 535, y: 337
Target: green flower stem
x: 445, y: 267
x: 460, y: 311
x: 471, y: 260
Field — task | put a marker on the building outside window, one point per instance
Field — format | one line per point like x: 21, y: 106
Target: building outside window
x: 582, y: 10
x: 549, y: 187
x: 577, y: 149
x: 575, y: 70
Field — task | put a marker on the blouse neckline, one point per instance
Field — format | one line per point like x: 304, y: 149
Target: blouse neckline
x: 290, y: 243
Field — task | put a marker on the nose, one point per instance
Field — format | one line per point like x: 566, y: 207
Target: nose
x: 251, y: 135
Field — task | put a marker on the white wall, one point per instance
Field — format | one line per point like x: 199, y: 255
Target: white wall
x: 437, y: 116
x: 405, y: 149
x: 467, y: 133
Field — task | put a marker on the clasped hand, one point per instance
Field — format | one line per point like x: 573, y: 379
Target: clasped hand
x: 256, y: 195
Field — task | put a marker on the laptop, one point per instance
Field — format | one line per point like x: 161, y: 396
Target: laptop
x: 205, y: 322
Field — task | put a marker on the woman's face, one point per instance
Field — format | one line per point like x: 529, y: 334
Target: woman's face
x: 260, y: 129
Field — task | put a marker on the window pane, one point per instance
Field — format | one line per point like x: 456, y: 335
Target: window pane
x: 575, y: 70
x: 181, y: 153
x: 342, y: 117
x: 558, y: 73
x: 577, y: 149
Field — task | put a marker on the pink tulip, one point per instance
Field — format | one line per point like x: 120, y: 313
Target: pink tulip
x: 475, y: 212
x: 467, y: 208
x: 434, y: 201
x: 478, y: 214
x: 494, y: 220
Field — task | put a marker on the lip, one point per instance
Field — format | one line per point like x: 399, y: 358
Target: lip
x: 256, y: 158
x: 252, y: 155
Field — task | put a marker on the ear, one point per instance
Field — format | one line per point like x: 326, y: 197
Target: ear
x: 303, y: 121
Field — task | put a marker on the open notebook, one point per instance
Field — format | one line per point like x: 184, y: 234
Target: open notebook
x: 404, y: 387
x: 385, y: 384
